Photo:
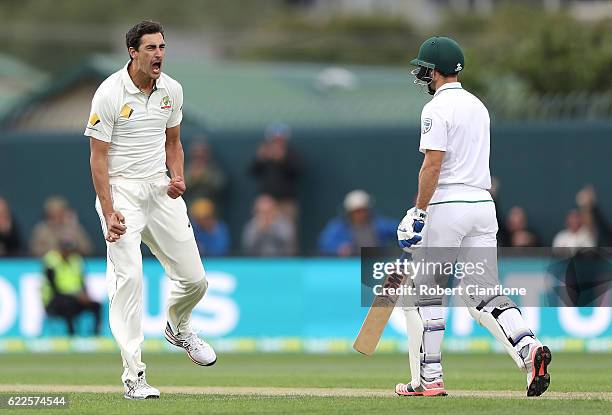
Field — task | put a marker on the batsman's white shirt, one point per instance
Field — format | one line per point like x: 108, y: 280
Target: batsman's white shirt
x: 457, y: 122
x: 135, y: 124
x: 461, y: 211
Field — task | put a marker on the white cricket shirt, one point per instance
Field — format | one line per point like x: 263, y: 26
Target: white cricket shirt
x: 457, y: 122
x: 135, y: 124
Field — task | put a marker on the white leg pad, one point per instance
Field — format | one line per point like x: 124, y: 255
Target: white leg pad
x: 489, y: 322
x: 433, y: 333
x: 414, y: 326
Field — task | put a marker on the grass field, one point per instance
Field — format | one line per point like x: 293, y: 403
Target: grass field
x: 308, y: 384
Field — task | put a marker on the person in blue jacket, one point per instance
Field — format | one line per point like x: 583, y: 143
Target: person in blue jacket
x: 358, y: 227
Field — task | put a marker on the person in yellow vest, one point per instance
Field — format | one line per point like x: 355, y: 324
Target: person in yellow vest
x: 63, y: 292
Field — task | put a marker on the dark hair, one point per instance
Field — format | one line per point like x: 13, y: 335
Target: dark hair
x: 146, y: 27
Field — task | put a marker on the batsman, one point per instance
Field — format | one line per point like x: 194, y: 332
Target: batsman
x: 455, y: 215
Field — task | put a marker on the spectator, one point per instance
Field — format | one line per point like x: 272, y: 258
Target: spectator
x: 576, y: 234
x: 579, y: 272
x: 519, y: 235
x: 592, y: 216
x: 60, y: 223
x: 277, y: 168
x: 268, y: 233
x: 64, y: 293
x: 211, y: 234
x: 204, y: 177
x: 359, y: 227
x: 10, y: 239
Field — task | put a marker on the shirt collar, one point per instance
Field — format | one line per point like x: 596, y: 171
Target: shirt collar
x: 131, y: 86
x: 450, y: 85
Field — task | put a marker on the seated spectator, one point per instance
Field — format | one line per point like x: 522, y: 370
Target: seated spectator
x: 519, y: 235
x: 268, y: 233
x: 63, y: 292
x: 211, y: 234
x: 277, y: 168
x: 60, y: 222
x: 359, y: 227
x: 203, y: 177
x: 10, y: 239
x: 576, y: 234
x: 593, y: 217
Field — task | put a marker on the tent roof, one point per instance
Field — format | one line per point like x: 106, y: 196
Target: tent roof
x: 16, y: 79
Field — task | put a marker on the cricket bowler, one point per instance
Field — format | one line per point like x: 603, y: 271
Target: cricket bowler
x: 454, y: 211
x: 134, y: 130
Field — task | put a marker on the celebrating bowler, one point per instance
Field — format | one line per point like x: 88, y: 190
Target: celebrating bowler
x: 134, y: 130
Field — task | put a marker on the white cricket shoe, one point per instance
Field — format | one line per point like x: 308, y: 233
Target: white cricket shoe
x: 200, y: 352
x: 140, y: 389
x: 537, y: 358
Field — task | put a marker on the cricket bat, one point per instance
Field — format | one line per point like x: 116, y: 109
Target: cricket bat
x: 378, y: 314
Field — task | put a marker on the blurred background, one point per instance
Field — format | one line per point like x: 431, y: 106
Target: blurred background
x: 301, y: 128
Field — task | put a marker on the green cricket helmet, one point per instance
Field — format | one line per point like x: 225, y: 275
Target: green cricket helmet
x: 440, y: 53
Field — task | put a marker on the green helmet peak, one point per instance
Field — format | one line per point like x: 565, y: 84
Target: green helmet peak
x: 440, y: 53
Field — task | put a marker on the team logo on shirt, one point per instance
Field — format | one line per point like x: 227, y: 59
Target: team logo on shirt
x: 93, y: 119
x: 165, y: 103
x: 126, y: 111
x: 426, y: 126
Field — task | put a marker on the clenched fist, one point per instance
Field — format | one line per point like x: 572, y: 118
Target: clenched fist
x: 176, y: 187
x: 115, y: 223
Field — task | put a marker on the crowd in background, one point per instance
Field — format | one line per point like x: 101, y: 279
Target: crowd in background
x: 273, y: 227
x: 585, y: 225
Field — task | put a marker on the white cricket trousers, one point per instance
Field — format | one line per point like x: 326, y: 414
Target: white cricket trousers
x: 152, y: 217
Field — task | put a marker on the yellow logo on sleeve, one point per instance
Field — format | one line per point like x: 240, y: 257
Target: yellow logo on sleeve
x: 94, y: 119
x: 126, y: 111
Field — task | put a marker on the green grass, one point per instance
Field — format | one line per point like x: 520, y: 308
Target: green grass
x: 89, y: 403
x: 570, y: 373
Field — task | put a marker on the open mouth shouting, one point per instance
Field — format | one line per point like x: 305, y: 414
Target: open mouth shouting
x: 156, y: 67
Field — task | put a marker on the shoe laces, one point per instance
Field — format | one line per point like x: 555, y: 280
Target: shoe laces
x: 140, y: 382
x: 193, y: 343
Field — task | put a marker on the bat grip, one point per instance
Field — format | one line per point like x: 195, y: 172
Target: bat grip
x: 406, y: 255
